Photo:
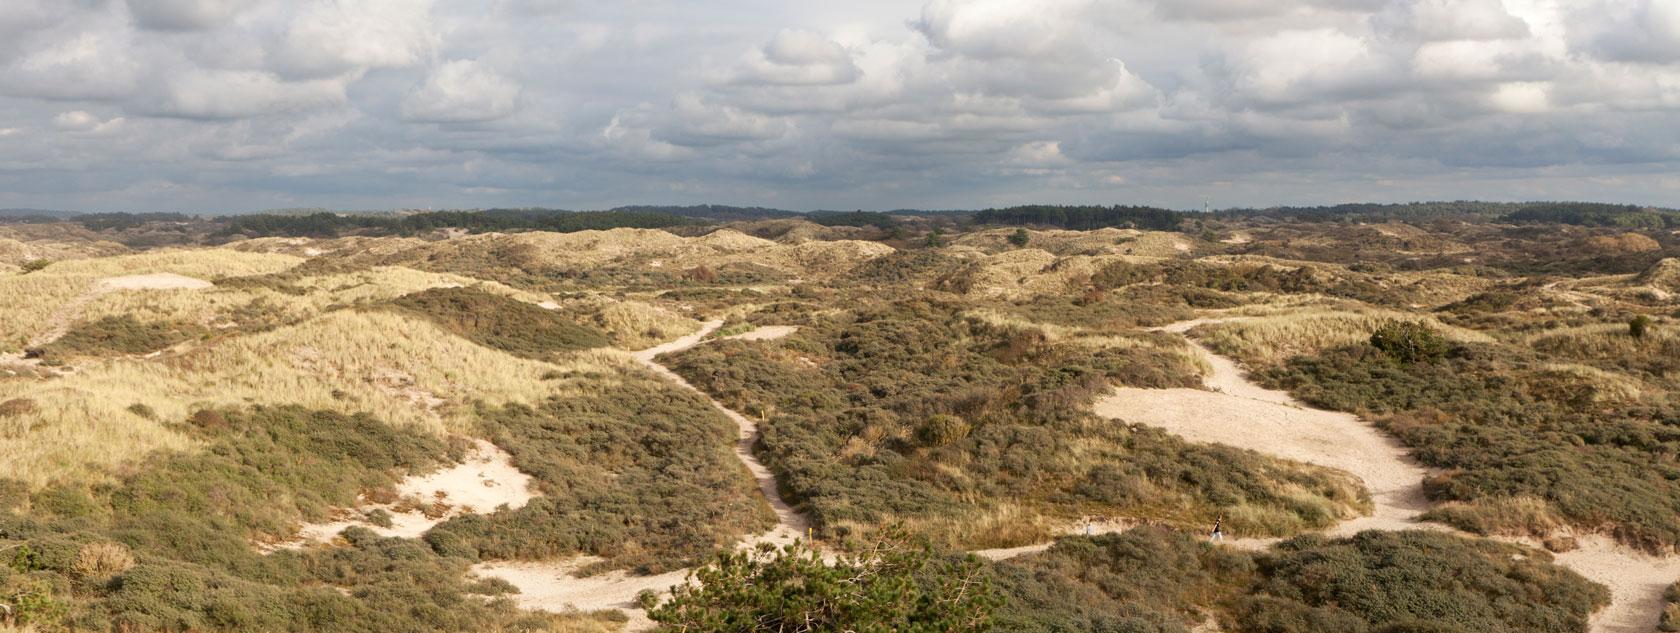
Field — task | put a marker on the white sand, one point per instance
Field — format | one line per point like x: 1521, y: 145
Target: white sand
x: 485, y: 481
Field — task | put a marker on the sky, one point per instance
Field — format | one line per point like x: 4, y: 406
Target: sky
x: 210, y: 106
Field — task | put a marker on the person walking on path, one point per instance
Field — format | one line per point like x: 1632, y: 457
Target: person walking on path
x: 1218, y: 530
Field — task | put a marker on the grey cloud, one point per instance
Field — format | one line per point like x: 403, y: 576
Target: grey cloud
x: 181, y: 15
x: 209, y: 104
x: 461, y: 91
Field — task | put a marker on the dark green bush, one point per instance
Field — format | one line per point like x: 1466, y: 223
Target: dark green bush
x: 1638, y: 326
x: 1409, y: 342
x: 118, y: 335
x: 886, y: 590
x: 1150, y: 579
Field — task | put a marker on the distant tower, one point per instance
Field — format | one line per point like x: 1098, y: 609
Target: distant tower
x: 1207, y: 206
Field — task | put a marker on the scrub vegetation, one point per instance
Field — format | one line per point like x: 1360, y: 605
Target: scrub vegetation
x: 180, y: 396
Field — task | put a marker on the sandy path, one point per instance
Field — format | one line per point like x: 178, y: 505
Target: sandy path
x: 555, y: 586
x: 1236, y: 412
x: 1239, y: 413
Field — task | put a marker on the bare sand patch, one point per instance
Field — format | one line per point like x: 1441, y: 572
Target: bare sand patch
x: 1637, y: 583
x: 485, y: 481
x: 766, y: 333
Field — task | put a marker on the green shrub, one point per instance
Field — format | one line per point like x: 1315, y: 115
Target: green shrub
x: 883, y: 590
x: 1019, y: 238
x: 119, y: 335
x: 35, y: 265
x: 1409, y: 341
x: 1638, y: 326
x: 1670, y: 621
x: 1149, y: 579
x: 30, y: 602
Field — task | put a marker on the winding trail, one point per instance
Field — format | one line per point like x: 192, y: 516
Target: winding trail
x: 555, y: 586
x: 1231, y: 410
x: 1236, y: 412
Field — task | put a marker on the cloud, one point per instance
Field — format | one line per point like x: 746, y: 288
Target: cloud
x: 180, y: 15
x: 333, y: 37
x: 873, y: 103
x: 797, y: 58
x: 86, y: 66
x: 461, y: 91
x: 219, y: 94
x: 1640, y: 31
x: 81, y: 122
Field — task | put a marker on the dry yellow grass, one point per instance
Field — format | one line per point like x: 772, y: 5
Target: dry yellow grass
x: 1265, y: 340
x: 404, y: 371
x: 642, y: 248
x: 630, y: 324
x: 29, y: 303
x: 219, y: 306
x: 209, y: 264
x: 33, y: 303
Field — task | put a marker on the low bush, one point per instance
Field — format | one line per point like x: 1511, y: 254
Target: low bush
x: 1150, y: 579
x: 118, y: 335
x: 1409, y: 342
x: 1502, y: 425
x: 892, y: 587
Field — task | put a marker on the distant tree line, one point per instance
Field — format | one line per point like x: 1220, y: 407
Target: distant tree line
x: 1593, y: 214
x: 1080, y: 218
x: 324, y: 225
x: 1576, y: 213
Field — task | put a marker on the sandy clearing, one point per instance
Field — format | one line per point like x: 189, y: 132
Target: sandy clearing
x: 1092, y: 528
x: 483, y: 482
x: 1242, y: 414
x: 766, y: 333
x: 1246, y: 415
x: 1637, y: 583
x: 555, y: 586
